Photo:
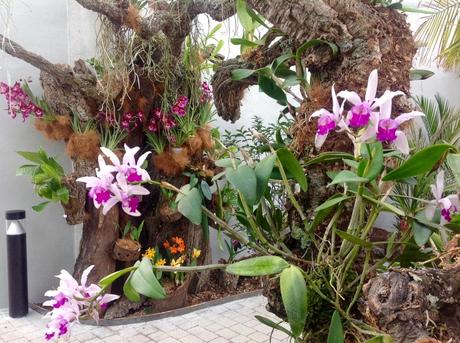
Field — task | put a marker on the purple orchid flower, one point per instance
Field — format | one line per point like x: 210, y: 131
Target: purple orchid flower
x: 448, y: 205
x: 328, y: 121
x: 70, y: 301
x: 131, y: 168
x: 127, y: 195
x: 387, y: 130
x: 360, y: 114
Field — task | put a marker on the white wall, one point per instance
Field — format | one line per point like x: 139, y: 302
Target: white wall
x: 42, y: 27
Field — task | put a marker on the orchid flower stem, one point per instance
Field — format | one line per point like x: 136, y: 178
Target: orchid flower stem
x: 189, y: 268
x: 326, y: 234
x: 361, y: 281
x: 352, y: 225
x: 351, y: 257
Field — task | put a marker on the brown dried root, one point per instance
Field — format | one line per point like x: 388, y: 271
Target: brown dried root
x: 56, y: 130
x: 206, y: 138
x: 195, y: 145
x: 172, y: 162
x: 84, y: 146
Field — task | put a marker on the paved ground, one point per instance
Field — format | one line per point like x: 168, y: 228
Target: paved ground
x: 231, y: 322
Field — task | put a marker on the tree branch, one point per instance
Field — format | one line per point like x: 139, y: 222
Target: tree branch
x: 163, y: 19
x: 14, y: 49
x: 83, y: 84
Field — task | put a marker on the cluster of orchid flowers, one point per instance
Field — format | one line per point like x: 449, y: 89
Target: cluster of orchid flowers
x: 206, y: 92
x: 118, y: 181
x: 131, y: 121
x: 71, y: 301
x: 368, y: 119
x: 19, y: 103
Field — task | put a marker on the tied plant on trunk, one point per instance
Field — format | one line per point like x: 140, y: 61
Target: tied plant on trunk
x: 321, y: 271
x: 135, y: 121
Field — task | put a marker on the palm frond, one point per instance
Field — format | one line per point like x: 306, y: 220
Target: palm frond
x: 439, y: 34
x: 441, y: 122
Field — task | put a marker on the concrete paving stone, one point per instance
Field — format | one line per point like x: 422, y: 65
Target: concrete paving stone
x: 232, y: 322
x: 239, y: 339
x: 242, y: 329
x: 139, y: 339
x: 191, y: 339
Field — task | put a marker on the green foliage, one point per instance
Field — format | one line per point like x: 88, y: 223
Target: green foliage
x: 439, y: 34
x: 258, y: 266
x: 189, y: 204
x: 133, y: 231
x: 46, y: 174
x: 336, y: 334
x: 420, y: 163
x: 294, y: 293
x: 292, y: 165
x: 143, y: 281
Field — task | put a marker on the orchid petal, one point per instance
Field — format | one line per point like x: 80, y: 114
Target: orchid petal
x: 90, y: 181
x: 455, y: 201
x: 385, y: 109
x: 445, y: 203
x: 142, y: 158
x: 439, y: 185
x: 371, y: 90
x: 335, y: 102
x: 408, y: 116
x: 109, y: 204
x: 372, y: 128
x: 320, y: 113
x: 352, y: 97
x: 84, y: 275
x: 385, y: 97
x: 111, y: 155
x: 128, y: 157
x: 106, y: 298
x: 138, y: 190
x: 401, y: 142
x: 319, y: 140
x: 430, y: 209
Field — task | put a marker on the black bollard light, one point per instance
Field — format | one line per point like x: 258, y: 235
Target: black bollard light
x: 17, y: 263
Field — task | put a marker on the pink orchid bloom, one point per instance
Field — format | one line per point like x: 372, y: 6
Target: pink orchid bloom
x: 133, y: 170
x: 360, y: 114
x: 388, y: 130
x: 448, y: 205
x: 328, y: 121
x: 100, y: 184
x: 127, y: 195
x: 72, y: 300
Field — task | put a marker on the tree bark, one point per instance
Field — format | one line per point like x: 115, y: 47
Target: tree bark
x: 414, y: 304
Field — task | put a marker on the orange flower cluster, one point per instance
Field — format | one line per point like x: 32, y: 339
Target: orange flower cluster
x: 177, y: 246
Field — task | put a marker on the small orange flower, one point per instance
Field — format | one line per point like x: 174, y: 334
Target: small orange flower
x: 177, y: 247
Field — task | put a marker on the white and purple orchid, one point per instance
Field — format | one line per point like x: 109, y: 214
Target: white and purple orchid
x: 128, y: 195
x: 388, y: 129
x: 360, y: 113
x: 367, y: 120
x: 72, y: 300
x: 448, y: 205
x: 133, y: 170
x: 328, y: 121
x: 118, y: 182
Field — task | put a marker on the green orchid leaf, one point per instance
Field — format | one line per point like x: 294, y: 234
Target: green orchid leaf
x: 294, y: 294
x: 258, y: 266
